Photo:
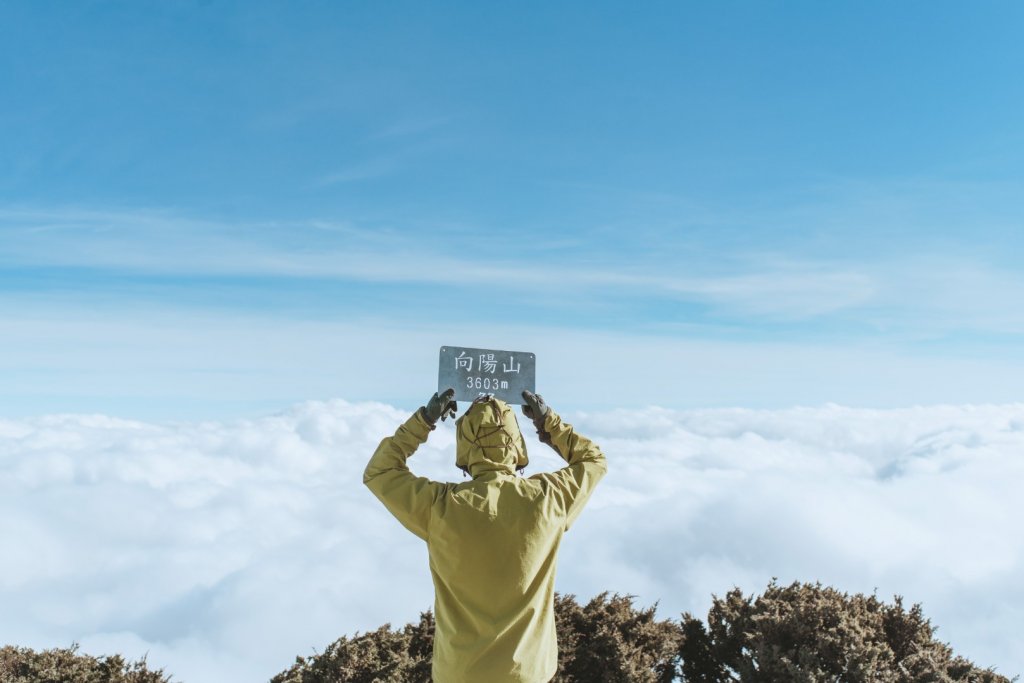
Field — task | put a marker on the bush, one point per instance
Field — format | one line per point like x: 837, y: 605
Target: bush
x: 808, y: 633
x: 803, y: 633
x: 606, y: 640
x: 65, y: 665
x: 381, y: 655
x: 610, y: 640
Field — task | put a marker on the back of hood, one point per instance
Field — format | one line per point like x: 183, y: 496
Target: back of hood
x: 487, y: 438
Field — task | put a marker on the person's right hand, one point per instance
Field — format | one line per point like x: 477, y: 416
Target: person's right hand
x: 440, y: 406
x: 535, y: 408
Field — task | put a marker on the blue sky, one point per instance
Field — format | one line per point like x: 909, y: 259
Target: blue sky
x: 211, y: 209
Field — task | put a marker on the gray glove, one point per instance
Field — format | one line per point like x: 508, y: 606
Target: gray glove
x: 440, y: 406
x: 535, y: 409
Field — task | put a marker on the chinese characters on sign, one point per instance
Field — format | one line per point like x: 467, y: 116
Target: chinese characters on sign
x: 464, y: 361
x: 474, y: 372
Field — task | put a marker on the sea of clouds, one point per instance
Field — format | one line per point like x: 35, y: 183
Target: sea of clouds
x: 224, y: 549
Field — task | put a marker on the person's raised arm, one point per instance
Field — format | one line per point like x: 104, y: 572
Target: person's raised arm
x: 408, y: 497
x: 586, y: 463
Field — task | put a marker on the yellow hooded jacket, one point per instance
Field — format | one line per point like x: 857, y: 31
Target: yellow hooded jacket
x: 492, y: 540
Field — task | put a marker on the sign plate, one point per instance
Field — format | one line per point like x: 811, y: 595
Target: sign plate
x: 475, y: 372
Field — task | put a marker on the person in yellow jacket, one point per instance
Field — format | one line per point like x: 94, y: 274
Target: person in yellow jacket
x: 492, y: 540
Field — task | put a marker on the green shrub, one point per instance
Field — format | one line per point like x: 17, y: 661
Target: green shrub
x: 803, y: 633
x: 65, y: 665
x: 381, y: 655
x: 609, y: 640
x: 806, y: 633
x: 605, y: 640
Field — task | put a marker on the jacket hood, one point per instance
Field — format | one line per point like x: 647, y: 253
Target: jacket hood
x: 487, y: 438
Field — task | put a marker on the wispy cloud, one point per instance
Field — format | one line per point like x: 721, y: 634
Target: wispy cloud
x: 223, y: 549
x: 926, y: 292
x: 164, y: 362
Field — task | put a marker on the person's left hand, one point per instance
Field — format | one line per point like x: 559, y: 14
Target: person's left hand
x: 440, y: 406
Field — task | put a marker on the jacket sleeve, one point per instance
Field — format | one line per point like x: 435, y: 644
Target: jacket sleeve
x: 408, y: 497
x: 572, y: 485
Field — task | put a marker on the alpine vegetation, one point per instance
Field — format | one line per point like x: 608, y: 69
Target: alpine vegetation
x: 803, y: 633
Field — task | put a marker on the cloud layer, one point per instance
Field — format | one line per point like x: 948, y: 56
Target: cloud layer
x: 224, y: 549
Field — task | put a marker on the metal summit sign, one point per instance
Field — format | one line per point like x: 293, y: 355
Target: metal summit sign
x: 476, y: 372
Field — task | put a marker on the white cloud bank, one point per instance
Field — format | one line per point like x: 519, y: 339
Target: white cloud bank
x: 225, y: 549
